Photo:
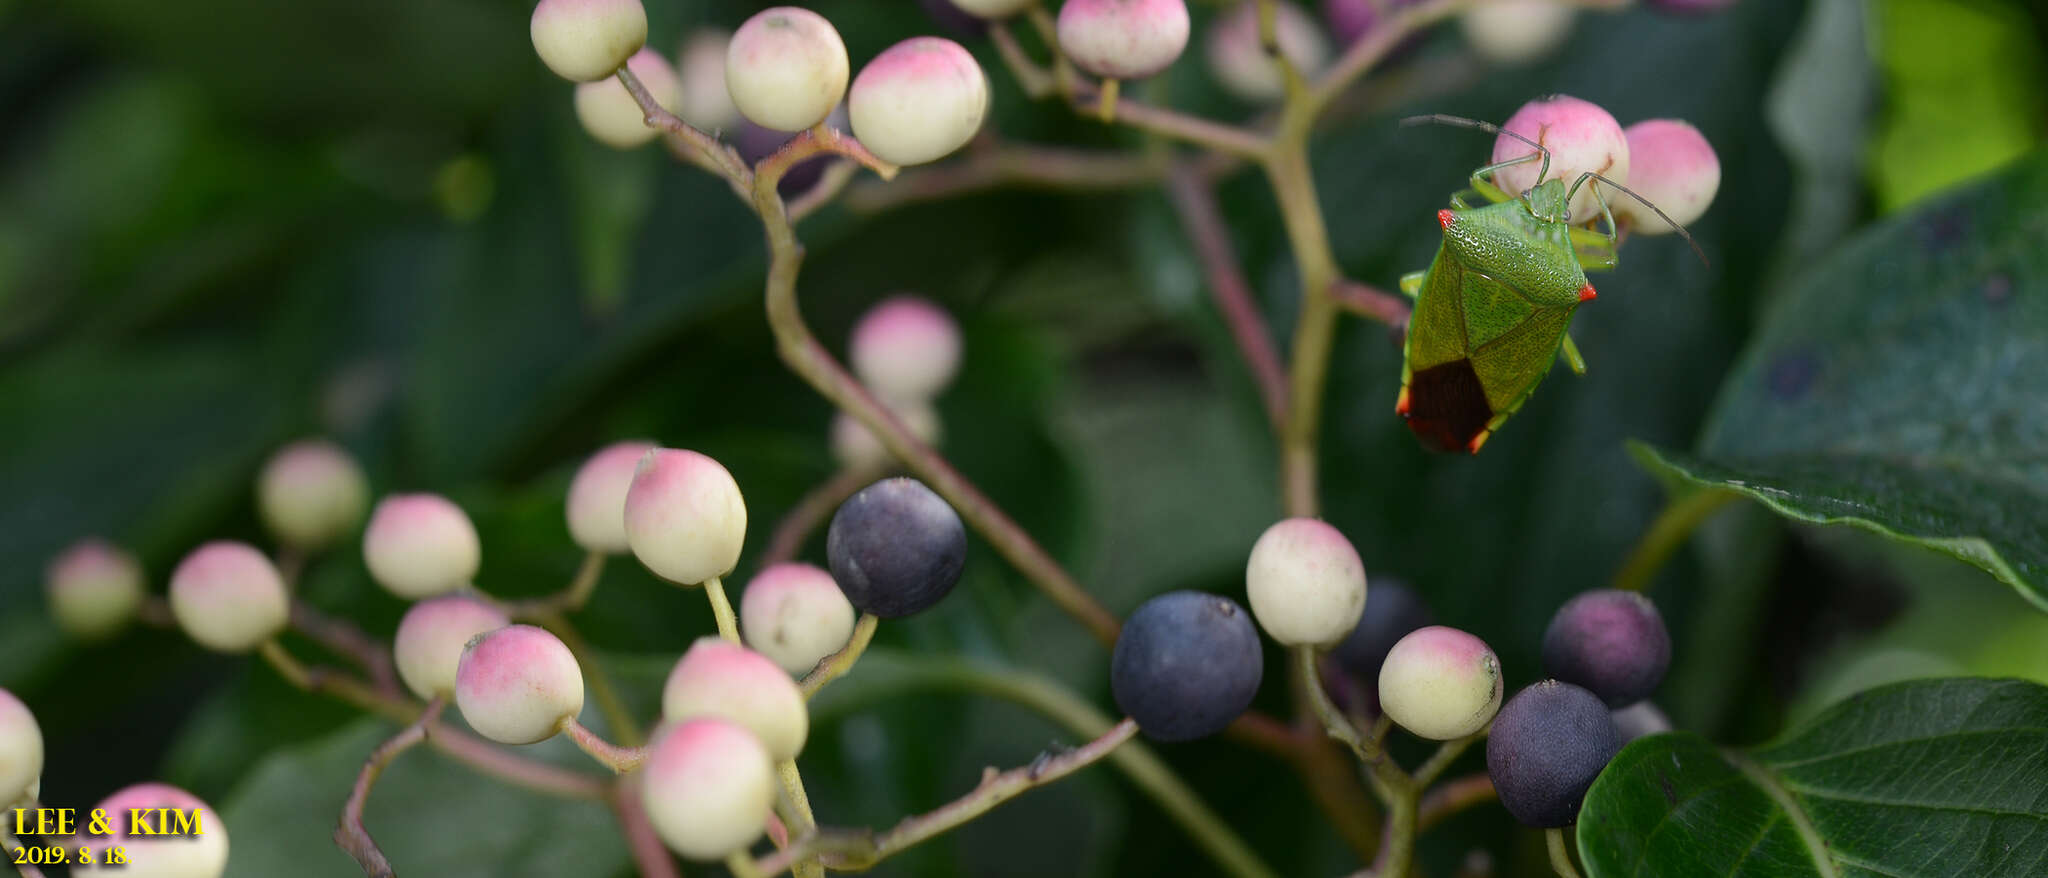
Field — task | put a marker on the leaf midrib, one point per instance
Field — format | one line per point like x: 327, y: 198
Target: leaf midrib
x: 1816, y: 849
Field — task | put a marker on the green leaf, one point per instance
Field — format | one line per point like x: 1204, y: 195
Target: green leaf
x: 1930, y: 777
x: 1898, y: 387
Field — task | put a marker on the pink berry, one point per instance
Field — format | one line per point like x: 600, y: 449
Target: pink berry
x: 918, y: 101
x: 1305, y: 583
x: 516, y: 685
x: 795, y: 615
x: 1123, y: 39
x: 587, y: 40
x: 709, y: 784
x: 786, y: 68
x: 1516, y: 32
x: 906, y: 349
x: 1351, y: 20
x: 1671, y: 164
x: 94, y: 589
x: 857, y: 447
x: 229, y: 597
x: 1440, y: 683
x: 421, y: 545
x: 685, y: 518
x: 1582, y: 138
x: 597, y: 497
x: 610, y: 115
x: 1238, y: 60
x: 312, y: 494
x: 701, y: 64
x: 201, y: 853
x: 21, y: 749
x: 729, y: 681
x: 428, y: 645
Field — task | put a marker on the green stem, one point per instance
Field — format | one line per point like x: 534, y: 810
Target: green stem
x: 721, y: 609
x: 1314, y: 329
x: 1670, y: 530
x: 834, y: 666
x: 569, y: 599
x: 617, y: 758
x: 1560, y: 855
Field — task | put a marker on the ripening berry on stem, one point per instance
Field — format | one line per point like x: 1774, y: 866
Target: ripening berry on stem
x: 795, y: 615
x: 94, y: 589
x: 421, y: 545
x: 1238, y: 60
x: 1611, y: 642
x: 1185, y: 665
x: 906, y: 348
x: 21, y: 749
x: 685, y: 518
x: 1305, y: 583
x: 1516, y: 32
x: 311, y: 494
x: 228, y: 597
x: 1123, y: 39
x: 201, y: 854
x: 786, y: 68
x: 1672, y: 166
x: 992, y: 10
x: 895, y: 548
x: 708, y: 787
x: 718, y: 678
x: 1548, y: 745
x: 1440, y: 683
x: 857, y: 447
x: 918, y: 101
x: 704, y: 102
x: 610, y: 115
x: 516, y: 684
x: 428, y: 646
x: 587, y: 40
x: 1582, y: 138
x: 596, y: 507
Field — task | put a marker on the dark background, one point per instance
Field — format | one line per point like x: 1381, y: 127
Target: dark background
x: 226, y: 224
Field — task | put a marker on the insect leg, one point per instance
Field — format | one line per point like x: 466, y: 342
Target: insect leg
x: 1571, y: 356
x: 1596, y: 251
x: 1411, y: 283
x: 1482, y: 179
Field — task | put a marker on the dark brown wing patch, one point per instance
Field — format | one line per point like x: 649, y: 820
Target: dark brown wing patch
x: 1447, y: 405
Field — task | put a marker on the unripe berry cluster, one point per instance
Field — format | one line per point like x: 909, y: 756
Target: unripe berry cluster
x: 1238, y: 58
x: 906, y: 349
x: 1666, y: 162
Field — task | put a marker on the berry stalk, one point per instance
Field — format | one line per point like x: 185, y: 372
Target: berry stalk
x: 834, y: 666
x: 350, y: 833
x: 618, y: 758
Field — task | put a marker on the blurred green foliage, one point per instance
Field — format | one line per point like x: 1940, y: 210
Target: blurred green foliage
x: 225, y: 224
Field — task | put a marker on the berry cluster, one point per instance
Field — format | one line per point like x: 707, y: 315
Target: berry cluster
x: 1665, y: 162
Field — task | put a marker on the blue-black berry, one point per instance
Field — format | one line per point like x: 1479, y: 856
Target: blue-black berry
x: 1186, y: 664
x: 1548, y: 744
x: 1391, y: 612
x: 895, y: 548
x: 1610, y: 642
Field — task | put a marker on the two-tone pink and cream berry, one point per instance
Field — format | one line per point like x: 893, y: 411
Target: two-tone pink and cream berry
x: 312, y: 494
x: 1670, y: 164
x: 918, y: 101
x: 1516, y: 32
x: 1582, y: 139
x: 1238, y: 59
x: 857, y: 447
x: 610, y: 115
x: 516, y: 684
x: 587, y: 40
x: 421, y: 545
x: 795, y: 615
x: 1123, y: 39
x: 428, y: 646
x: 905, y: 349
x: 1440, y: 683
x: 786, y: 68
x: 597, y: 497
x: 1305, y: 583
x: 701, y: 64
x: 198, y: 849
x: 21, y: 749
x: 685, y: 518
x: 229, y: 597
x: 94, y: 588
x: 708, y: 785
x: 717, y: 678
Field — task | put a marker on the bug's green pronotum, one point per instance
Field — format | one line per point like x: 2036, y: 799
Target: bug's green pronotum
x: 1493, y: 309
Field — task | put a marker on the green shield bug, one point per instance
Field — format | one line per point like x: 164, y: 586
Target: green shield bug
x: 1493, y: 309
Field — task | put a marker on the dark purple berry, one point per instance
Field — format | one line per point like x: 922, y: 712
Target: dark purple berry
x: 953, y: 19
x: 895, y: 548
x: 1186, y: 664
x: 1611, y: 642
x: 1548, y: 744
x: 1392, y: 609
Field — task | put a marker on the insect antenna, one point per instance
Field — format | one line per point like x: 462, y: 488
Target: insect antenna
x: 1462, y: 122
x: 1702, y: 254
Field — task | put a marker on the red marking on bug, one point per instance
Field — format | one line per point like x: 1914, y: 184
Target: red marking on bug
x: 1401, y: 405
x: 1586, y: 293
x: 1477, y: 442
x: 1445, y: 216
